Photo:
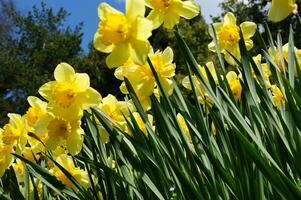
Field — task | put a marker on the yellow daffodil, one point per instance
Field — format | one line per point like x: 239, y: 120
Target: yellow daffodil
x: 70, y: 93
x: 202, y: 96
x: 264, y: 68
x: 142, y: 78
x: 18, y: 166
x: 168, y: 12
x: 140, y: 123
x: 228, y: 36
x: 123, y: 35
x: 38, y: 109
x: 15, y: 132
x: 80, y: 175
x: 276, y: 56
x: 162, y: 62
x: 281, y: 9
x: 278, y: 97
x: 234, y: 84
x: 61, y: 131
x: 116, y: 110
x: 184, y: 127
x: 6, y: 158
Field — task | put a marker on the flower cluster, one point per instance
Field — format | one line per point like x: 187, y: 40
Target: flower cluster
x: 54, y: 124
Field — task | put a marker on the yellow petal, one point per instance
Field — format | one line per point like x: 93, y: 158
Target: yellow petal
x: 156, y: 18
x: 248, y: 29
x: 217, y: 26
x: 140, y: 50
x: 64, y: 72
x: 231, y: 76
x: 36, y: 102
x: 211, y: 46
x: 105, y: 8
x: 144, y: 28
x: 104, y: 135
x: 81, y: 82
x: 147, y: 88
x: 75, y: 141
x: 281, y: 9
x: 46, y: 90
x: 91, y: 98
x: 167, y: 56
x: 100, y: 46
x: 186, y: 83
x: 171, y: 19
x: 229, y: 18
x: 134, y: 8
x: 119, y: 55
x: 188, y: 9
x: 167, y: 85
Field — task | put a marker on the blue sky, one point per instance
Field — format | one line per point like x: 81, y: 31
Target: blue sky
x: 86, y: 11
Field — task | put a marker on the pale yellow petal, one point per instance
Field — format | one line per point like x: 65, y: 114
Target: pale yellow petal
x: 91, y: 98
x: 147, y: 88
x: 75, y: 141
x: 217, y: 26
x: 46, y: 90
x: 64, y: 72
x: 211, y: 46
x: 100, y: 46
x: 188, y: 9
x: 81, y: 82
x: 119, y: 55
x: 167, y: 56
x: 171, y: 19
x: 105, y: 8
x: 229, y: 18
x: 156, y: 18
x: 281, y: 9
x: 186, y: 83
x: 134, y: 8
x: 248, y: 29
x: 140, y: 50
x: 143, y: 29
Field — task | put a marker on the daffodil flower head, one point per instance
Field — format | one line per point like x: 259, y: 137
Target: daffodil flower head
x: 70, y: 93
x: 15, y: 132
x: 6, y: 158
x: 80, y: 175
x: 228, y: 36
x: 123, y: 35
x: 184, y: 126
x: 165, y: 69
x: 61, y: 131
x: 281, y: 9
x: 278, y: 97
x: 168, y: 12
x: 276, y: 56
x: 234, y: 83
x: 202, y: 96
x: 141, y: 123
x: 116, y: 110
x: 38, y: 109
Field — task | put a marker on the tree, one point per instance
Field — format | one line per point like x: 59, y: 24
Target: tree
x: 29, y: 54
x: 5, y: 19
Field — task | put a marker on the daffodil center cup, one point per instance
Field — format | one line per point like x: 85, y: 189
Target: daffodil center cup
x: 10, y: 135
x: 33, y: 114
x: 228, y: 35
x: 64, y: 94
x: 59, y: 128
x: 161, y: 5
x: 114, y: 28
